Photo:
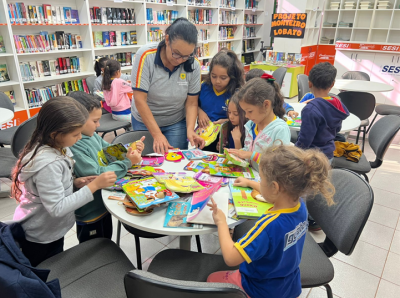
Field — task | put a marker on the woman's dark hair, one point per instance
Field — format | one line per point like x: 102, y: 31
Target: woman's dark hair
x: 234, y: 68
x: 254, y: 73
x: 242, y: 119
x: 99, y: 64
x: 89, y: 101
x: 257, y: 90
x: 59, y: 115
x: 112, y: 66
x: 182, y: 29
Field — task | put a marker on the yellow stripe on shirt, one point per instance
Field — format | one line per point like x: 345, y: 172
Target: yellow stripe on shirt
x: 140, y: 68
x: 259, y: 222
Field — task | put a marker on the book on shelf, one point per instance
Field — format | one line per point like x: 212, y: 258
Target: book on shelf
x: 250, y: 19
x: 133, y: 37
x: 155, y: 34
x: 227, y: 3
x: 23, y: 14
x: 11, y: 96
x: 4, y: 77
x: 2, y: 47
x: 161, y: 17
x: 200, y: 16
x: 112, y: 15
x: 176, y: 216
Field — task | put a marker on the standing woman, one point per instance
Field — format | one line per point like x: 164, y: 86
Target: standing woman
x: 166, y: 86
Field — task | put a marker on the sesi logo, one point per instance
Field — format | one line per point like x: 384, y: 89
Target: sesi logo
x: 391, y: 69
x: 9, y: 124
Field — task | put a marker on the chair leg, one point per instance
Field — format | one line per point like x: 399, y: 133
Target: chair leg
x: 115, y: 133
x: 138, y: 253
x: 363, y: 140
x: 118, y: 232
x: 198, y: 243
x: 102, y: 136
x: 373, y: 120
x: 328, y: 291
x: 358, y: 134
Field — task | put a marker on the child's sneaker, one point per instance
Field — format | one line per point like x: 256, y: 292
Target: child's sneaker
x: 313, y: 226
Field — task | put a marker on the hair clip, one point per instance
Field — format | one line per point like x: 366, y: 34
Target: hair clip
x: 270, y: 79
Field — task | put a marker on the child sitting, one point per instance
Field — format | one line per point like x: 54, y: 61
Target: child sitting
x: 93, y: 219
x: 269, y: 263
x: 258, y: 73
x: 261, y: 100
x: 321, y: 118
x: 224, y: 77
x: 42, y: 181
x: 115, y: 91
x: 235, y: 133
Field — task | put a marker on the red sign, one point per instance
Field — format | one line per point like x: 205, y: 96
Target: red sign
x: 367, y: 47
x: 19, y: 117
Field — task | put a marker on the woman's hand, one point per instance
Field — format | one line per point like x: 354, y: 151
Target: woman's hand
x: 195, y: 140
x: 140, y: 145
x: 221, y: 121
x: 293, y: 114
x: 236, y: 134
x: 241, y: 153
x: 218, y: 216
x: 202, y: 119
x: 161, y: 144
x: 241, y: 182
x: 83, y: 181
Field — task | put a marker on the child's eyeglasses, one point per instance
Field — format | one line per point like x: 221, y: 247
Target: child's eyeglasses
x: 177, y: 56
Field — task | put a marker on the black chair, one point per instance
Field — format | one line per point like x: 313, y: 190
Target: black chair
x: 384, y: 110
x: 356, y: 75
x: 8, y: 156
x: 127, y: 138
x: 6, y: 134
x: 361, y: 104
x: 302, y: 85
x: 382, y: 134
x: 145, y: 284
x: 279, y: 75
x: 108, y: 124
x: 90, y: 83
x: 342, y: 224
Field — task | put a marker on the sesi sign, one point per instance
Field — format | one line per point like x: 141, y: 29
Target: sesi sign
x: 390, y: 69
x: 9, y: 124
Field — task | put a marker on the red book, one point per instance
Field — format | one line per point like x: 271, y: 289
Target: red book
x: 64, y: 61
x: 96, y: 20
x: 85, y: 87
x: 46, y: 20
x: 60, y: 65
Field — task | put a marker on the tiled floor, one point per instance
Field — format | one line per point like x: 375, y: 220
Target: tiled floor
x: 373, y: 270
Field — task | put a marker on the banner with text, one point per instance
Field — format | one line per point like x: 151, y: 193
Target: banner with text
x: 288, y: 25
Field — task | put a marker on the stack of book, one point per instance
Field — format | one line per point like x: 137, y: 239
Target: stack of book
x: 160, y: 17
x: 203, y: 50
x: 199, y: 2
x: 33, y: 70
x: 203, y: 34
x: 162, y: 1
x: 36, y: 97
x: 22, y: 14
x: 4, y: 77
x: 228, y: 45
x: 249, y: 32
x: 227, y: 32
x: 200, y: 16
x: 112, y: 15
x: 228, y: 17
x: 248, y: 45
x: 250, y: 19
x: 249, y: 4
x: 125, y: 58
x: 227, y: 3
x: 45, y: 42
x: 114, y: 38
x: 155, y: 34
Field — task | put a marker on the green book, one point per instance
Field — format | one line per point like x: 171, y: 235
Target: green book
x: 232, y: 171
x: 2, y: 47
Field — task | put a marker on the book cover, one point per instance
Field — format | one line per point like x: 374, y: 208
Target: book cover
x: 118, y: 38
x: 133, y: 37
x: 297, y: 58
x: 235, y: 159
x: 40, y: 69
x: 197, y: 166
x: 78, y: 40
x: 106, y: 39
x: 67, y: 15
x: 178, y: 182
x: 124, y: 40
x: 74, y: 16
x: 176, y: 216
x: 54, y: 14
x: 104, y: 15
x: 174, y: 156
x: 194, y: 154
x: 109, y: 15
x: 98, y: 39
x: 205, y: 217
x: 111, y: 153
x: 152, y: 161
x: 245, y: 205
x: 200, y: 200
x: 232, y: 171
x: 293, y: 122
x: 147, y: 192
x: 2, y: 47
x: 210, y: 133
x: 11, y: 95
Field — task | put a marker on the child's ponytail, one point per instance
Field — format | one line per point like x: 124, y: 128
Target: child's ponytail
x: 300, y: 173
x: 111, y: 67
x: 279, y: 111
x: 99, y: 64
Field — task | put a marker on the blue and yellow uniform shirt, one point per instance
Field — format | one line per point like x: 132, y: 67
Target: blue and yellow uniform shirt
x: 272, y: 250
x: 213, y: 103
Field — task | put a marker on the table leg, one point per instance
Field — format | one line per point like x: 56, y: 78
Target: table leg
x: 184, y: 242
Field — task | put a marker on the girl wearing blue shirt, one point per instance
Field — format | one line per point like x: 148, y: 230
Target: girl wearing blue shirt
x: 270, y: 253
x: 224, y: 77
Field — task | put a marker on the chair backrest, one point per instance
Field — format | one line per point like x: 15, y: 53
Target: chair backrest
x: 345, y: 220
x: 140, y: 283
x: 132, y: 136
x: 356, y: 75
x: 279, y: 75
x: 302, y: 85
x: 381, y: 135
x: 5, y: 102
x: 90, y: 83
x: 22, y: 135
x: 361, y: 104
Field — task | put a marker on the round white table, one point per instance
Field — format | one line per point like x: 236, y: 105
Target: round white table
x: 362, y: 86
x: 350, y: 123
x: 5, y: 115
x: 154, y: 223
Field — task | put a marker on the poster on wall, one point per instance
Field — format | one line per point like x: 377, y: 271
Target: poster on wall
x: 288, y: 25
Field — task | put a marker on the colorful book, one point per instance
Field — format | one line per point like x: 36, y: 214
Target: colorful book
x: 147, y: 192
x: 210, y: 133
x: 245, y: 205
x: 235, y: 160
x: 205, y: 216
x: 152, y: 161
x: 200, y: 176
x: 293, y: 122
x: 174, y: 156
x: 176, y: 216
x: 200, y: 200
x: 196, y: 166
x: 111, y: 153
x: 194, y: 154
x: 178, y: 182
x: 4, y: 77
x: 232, y: 171
x: 2, y: 47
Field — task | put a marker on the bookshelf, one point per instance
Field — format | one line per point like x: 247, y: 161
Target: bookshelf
x: 254, y: 23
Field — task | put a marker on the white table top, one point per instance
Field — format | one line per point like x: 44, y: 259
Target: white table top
x: 154, y: 222
x: 5, y: 115
x: 350, y: 123
x: 362, y: 86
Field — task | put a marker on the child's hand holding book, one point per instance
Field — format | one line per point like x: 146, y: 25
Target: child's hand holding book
x: 106, y: 179
x: 134, y: 156
x: 241, y: 153
x: 218, y: 216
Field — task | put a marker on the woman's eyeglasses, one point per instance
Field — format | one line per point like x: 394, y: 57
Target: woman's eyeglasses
x: 177, y: 56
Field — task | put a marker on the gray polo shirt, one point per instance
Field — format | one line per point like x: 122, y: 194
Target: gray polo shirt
x: 166, y: 90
